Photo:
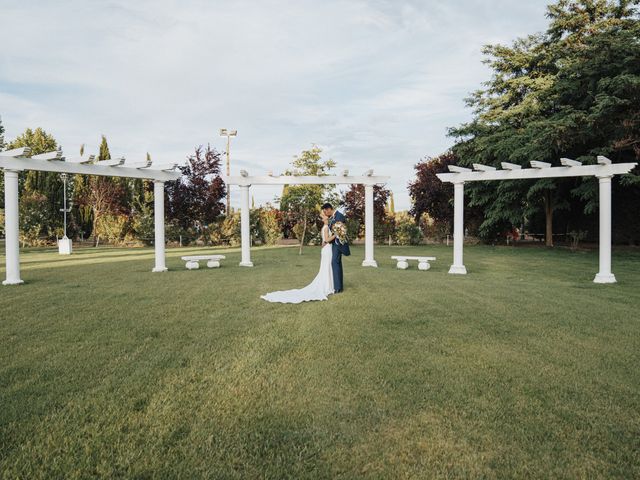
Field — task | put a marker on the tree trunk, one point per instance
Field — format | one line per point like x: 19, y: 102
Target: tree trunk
x: 548, y: 212
x: 304, y: 233
x: 95, y: 229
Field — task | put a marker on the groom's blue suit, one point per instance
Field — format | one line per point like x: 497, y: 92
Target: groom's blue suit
x: 338, y: 250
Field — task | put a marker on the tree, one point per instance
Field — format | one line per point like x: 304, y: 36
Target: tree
x: 195, y: 198
x: 406, y: 230
x: 301, y: 203
x: 568, y: 91
x: 1, y: 135
x: 46, y: 187
x: 430, y: 195
x: 104, y: 197
x: 271, y: 224
x: 354, y: 199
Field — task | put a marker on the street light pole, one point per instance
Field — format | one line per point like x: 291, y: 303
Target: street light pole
x: 228, y: 133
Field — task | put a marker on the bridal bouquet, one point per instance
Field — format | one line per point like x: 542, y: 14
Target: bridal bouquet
x: 339, y: 229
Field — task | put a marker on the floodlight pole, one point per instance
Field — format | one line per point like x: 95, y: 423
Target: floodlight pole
x: 228, y: 133
x: 64, y: 244
x: 64, y: 203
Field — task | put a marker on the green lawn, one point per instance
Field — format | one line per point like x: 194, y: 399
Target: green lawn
x: 522, y: 369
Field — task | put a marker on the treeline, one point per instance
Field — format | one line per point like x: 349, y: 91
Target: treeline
x: 119, y: 211
x: 572, y: 91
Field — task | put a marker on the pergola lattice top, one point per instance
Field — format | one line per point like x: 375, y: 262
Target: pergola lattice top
x: 569, y: 168
x: 21, y: 159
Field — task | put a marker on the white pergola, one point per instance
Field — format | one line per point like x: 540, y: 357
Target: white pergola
x: 244, y: 181
x: 17, y: 160
x: 604, y: 171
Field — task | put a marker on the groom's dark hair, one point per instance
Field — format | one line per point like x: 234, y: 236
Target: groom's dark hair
x: 327, y: 205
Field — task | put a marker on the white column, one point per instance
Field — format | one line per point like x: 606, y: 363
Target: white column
x: 458, y: 229
x: 158, y: 216
x: 369, y: 261
x: 605, y: 275
x: 245, y: 231
x: 11, y: 228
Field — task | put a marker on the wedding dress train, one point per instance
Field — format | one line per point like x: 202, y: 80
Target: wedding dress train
x: 319, y: 289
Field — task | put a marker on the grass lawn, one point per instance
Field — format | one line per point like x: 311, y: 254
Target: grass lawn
x: 522, y: 369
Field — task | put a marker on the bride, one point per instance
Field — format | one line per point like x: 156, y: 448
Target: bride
x: 321, y: 286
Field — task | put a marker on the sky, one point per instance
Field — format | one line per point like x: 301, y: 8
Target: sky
x: 376, y: 84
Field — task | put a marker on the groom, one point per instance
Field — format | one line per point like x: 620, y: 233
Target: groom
x: 338, y: 248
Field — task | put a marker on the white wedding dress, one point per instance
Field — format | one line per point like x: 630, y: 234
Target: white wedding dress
x: 319, y: 289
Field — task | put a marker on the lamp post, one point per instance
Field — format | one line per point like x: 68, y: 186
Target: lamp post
x: 64, y: 244
x: 228, y: 133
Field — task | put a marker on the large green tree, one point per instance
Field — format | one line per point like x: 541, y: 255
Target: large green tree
x: 301, y: 203
x: 46, y: 187
x: 571, y: 91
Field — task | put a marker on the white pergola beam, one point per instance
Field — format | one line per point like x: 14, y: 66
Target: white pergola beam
x: 483, y: 168
x: 305, y: 180
x: 19, y: 152
x: 537, y: 164
x: 602, y: 160
x: 534, y: 173
x: 88, y: 159
x: 17, y: 163
x: 567, y: 162
x: 55, y: 155
x: 456, y: 169
x: 511, y: 166
x: 111, y: 162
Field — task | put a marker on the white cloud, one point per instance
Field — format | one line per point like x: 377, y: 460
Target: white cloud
x: 375, y: 82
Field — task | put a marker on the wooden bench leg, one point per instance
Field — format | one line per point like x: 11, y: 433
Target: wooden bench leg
x: 191, y: 265
x: 424, y: 266
x: 402, y: 264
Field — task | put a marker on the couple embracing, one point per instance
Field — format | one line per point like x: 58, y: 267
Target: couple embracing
x: 330, y: 278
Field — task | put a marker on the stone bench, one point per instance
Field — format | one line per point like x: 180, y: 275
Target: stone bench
x: 423, y: 262
x: 213, y: 261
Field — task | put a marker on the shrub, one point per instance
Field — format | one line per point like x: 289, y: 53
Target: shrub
x: 230, y: 229
x: 434, y: 230
x: 33, y: 218
x: 385, y: 228
x: 111, y: 228
x: 271, y: 225
x: 406, y: 230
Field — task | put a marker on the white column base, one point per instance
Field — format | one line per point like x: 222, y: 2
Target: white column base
x: 605, y: 278
x: 64, y: 246
x: 159, y: 269
x: 458, y: 270
x: 370, y: 263
x: 246, y: 264
x: 12, y: 282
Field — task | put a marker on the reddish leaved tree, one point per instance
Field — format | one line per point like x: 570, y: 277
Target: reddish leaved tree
x: 194, y: 200
x: 428, y: 193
